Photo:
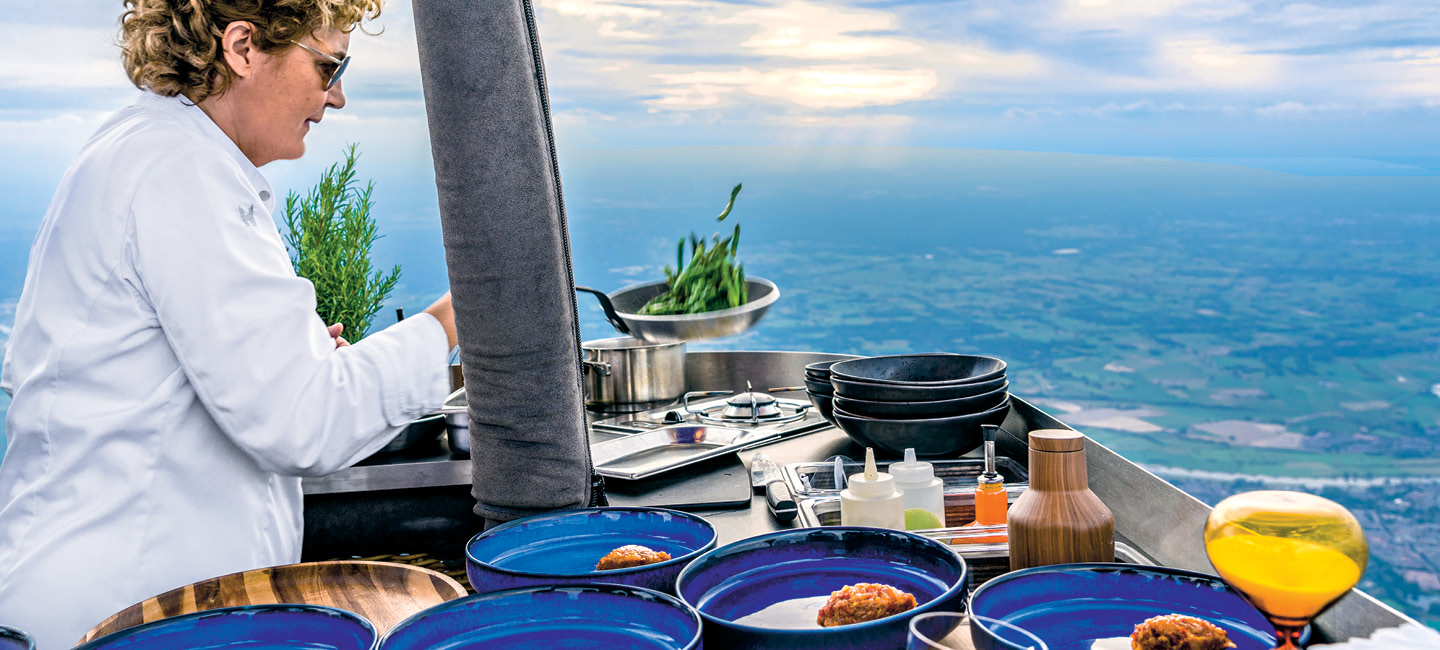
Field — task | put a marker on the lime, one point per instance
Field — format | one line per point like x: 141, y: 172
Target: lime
x: 920, y: 518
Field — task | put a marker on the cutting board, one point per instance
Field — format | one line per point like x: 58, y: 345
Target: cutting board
x: 383, y: 592
x: 717, y: 484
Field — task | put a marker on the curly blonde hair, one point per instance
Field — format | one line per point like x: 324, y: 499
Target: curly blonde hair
x: 173, y: 46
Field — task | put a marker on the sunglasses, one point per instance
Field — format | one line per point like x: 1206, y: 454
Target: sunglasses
x: 340, y: 64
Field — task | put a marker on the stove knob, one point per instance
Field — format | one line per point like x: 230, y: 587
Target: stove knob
x: 673, y: 417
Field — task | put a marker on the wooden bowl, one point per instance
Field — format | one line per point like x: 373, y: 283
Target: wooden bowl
x: 383, y: 592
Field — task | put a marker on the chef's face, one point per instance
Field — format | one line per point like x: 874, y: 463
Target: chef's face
x: 287, y: 94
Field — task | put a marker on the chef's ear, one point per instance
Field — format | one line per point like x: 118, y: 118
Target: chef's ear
x: 237, y: 45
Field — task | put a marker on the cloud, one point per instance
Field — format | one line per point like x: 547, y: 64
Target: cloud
x: 1111, y: 109
x: 811, y: 31
x: 1131, y: 14
x: 1294, y: 109
x: 52, y: 56
x: 818, y: 87
x: 1208, y: 63
x: 601, y: 9
x: 880, y: 121
x: 686, y: 71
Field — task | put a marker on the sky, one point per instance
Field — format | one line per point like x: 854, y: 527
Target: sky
x: 1193, y: 79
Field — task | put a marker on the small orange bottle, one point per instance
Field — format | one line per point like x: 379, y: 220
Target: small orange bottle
x: 991, y: 500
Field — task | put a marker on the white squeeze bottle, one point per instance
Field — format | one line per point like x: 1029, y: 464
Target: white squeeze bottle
x: 871, y: 499
x: 924, y: 495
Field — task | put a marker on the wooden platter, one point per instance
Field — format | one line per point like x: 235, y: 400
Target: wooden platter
x: 383, y: 592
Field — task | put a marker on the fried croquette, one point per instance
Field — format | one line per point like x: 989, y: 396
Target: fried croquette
x: 631, y: 555
x: 1178, y: 632
x: 862, y: 602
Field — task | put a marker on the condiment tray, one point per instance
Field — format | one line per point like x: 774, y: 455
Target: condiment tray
x: 818, y: 479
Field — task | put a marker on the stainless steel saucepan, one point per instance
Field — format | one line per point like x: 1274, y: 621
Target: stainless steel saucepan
x: 618, y: 371
x: 626, y: 370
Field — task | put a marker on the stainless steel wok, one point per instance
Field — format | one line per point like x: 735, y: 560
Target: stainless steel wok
x: 621, y: 307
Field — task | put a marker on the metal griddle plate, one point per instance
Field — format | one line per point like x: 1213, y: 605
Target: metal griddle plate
x: 643, y: 455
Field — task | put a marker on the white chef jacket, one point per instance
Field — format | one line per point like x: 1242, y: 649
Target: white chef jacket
x: 172, y: 382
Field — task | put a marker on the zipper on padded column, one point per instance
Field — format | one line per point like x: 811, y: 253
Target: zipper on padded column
x: 595, y: 483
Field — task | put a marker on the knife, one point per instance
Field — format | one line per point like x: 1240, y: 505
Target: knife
x: 765, y: 475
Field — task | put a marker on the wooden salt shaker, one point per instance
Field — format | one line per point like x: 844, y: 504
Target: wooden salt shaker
x: 1058, y: 520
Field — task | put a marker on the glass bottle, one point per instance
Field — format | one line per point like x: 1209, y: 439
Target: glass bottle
x: 991, y: 500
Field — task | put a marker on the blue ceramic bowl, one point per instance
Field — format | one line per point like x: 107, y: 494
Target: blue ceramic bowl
x: 562, y: 548
x: 764, y: 592
x: 1069, y: 606
x: 252, y: 627
x: 609, y: 617
x: 15, y: 639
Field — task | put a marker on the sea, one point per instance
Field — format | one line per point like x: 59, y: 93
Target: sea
x: 1231, y: 324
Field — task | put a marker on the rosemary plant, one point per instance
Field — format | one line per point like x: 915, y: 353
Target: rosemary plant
x: 331, y: 232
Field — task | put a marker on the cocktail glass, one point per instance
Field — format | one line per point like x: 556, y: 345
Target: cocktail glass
x: 1289, y: 554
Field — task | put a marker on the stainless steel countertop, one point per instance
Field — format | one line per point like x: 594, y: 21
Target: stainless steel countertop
x: 429, y: 471
x: 703, y: 371
x: 731, y: 525
x: 1155, y: 517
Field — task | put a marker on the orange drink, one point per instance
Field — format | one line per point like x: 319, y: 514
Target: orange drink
x: 1289, y: 578
x: 1290, y: 554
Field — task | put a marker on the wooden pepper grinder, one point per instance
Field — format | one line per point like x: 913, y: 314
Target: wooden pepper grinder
x: 1058, y: 520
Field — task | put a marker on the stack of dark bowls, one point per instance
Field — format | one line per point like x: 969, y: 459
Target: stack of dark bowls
x: 934, y: 403
x: 818, y: 387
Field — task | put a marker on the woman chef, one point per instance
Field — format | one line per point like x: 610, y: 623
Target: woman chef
x: 171, y: 381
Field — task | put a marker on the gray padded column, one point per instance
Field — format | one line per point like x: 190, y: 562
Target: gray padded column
x: 508, y: 253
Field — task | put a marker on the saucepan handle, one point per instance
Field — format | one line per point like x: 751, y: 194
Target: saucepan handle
x: 609, y: 307
x: 598, y: 366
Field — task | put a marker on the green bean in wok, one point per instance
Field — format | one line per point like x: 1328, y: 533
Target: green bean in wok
x: 712, y: 281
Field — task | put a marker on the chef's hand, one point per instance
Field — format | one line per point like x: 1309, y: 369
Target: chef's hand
x: 444, y: 312
x: 334, y: 332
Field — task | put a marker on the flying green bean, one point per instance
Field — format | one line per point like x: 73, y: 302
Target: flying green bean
x: 713, y: 280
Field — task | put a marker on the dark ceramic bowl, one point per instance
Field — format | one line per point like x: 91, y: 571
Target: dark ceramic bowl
x: 15, y: 639
x: 925, y: 369
x: 819, y: 387
x: 569, y: 616
x: 913, y: 393
x: 945, y: 436
x: 912, y: 410
x: 252, y: 627
x: 824, y: 404
x: 821, y: 369
x: 764, y: 592
x: 562, y: 548
x: 1111, y: 599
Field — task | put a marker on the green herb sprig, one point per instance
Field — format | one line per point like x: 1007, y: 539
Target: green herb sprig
x: 331, y: 232
x: 712, y: 281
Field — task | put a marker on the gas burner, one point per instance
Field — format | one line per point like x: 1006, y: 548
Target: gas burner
x: 754, y: 410
x: 748, y: 407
